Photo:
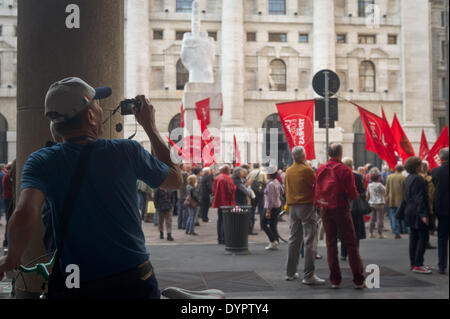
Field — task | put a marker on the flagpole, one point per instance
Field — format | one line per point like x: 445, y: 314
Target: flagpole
x: 327, y: 112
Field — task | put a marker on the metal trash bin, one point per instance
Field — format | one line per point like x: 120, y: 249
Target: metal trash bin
x: 236, y: 224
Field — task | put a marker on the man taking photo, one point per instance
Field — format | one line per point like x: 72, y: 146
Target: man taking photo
x: 104, y: 235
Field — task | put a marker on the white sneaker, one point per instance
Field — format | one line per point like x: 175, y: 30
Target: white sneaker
x: 296, y: 276
x: 314, y: 280
x: 272, y: 246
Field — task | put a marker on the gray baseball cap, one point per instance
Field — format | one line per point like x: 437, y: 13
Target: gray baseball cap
x: 68, y: 97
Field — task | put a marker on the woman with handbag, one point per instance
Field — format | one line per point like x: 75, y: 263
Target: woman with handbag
x: 358, y: 208
x: 191, y: 204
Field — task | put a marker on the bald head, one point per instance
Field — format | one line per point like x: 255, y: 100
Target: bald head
x: 335, y: 151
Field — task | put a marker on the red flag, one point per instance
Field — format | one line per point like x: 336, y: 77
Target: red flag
x: 424, y: 149
x: 404, y: 147
x: 387, y: 133
x: 237, y: 153
x: 442, y: 142
x: 202, y: 110
x: 374, y: 128
x: 297, y: 119
x: 182, y: 116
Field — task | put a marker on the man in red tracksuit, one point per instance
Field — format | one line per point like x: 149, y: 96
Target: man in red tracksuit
x: 339, y: 221
x: 223, y: 190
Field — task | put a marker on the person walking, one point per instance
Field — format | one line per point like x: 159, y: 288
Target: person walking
x: 192, y: 207
x: 272, y: 207
x: 335, y: 187
x: 206, y: 185
x: 375, y: 195
x: 417, y: 214
x: 300, y: 180
x: 257, y: 180
x: 357, y: 216
x: 182, y: 195
x: 164, y: 207
x: 441, y: 208
x: 395, y: 185
x: 223, y: 190
x: 242, y: 194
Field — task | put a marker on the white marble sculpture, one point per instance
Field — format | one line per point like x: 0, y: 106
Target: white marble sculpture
x: 198, y: 51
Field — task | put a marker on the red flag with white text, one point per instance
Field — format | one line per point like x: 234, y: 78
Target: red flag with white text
x: 442, y: 142
x: 297, y: 119
x: 374, y: 127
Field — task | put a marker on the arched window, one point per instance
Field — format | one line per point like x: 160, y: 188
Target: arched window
x: 367, y: 81
x: 277, y: 75
x: 277, y: 7
x: 175, y: 123
x: 284, y: 153
x: 182, y: 75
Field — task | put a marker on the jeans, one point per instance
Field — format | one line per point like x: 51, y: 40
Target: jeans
x: 377, y: 218
x: 220, y: 231
x: 443, y: 242
x: 182, y: 214
x: 395, y: 223
x: 418, y: 239
x: 155, y: 219
x: 339, y: 221
x: 269, y: 226
x: 190, y: 223
x: 303, y: 225
x: 257, y: 203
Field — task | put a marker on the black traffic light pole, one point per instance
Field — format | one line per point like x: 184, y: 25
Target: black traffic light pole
x: 327, y: 113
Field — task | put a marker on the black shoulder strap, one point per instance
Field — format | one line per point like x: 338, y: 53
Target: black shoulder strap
x: 72, y: 194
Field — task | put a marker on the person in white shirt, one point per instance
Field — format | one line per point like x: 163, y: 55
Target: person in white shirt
x: 375, y: 194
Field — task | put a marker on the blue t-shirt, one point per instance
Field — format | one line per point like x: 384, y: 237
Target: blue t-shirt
x: 104, y: 235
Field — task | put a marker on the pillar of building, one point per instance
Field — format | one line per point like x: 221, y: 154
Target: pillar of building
x: 137, y: 56
x: 416, y: 70
x: 49, y: 50
x: 233, y: 63
x: 323, y: 36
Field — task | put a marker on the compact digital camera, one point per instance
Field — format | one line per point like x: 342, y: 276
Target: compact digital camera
x: 126, y: 106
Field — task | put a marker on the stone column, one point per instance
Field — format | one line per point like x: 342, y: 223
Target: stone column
x: 233, y: 62
x: 137, y: 55
x: 48, y: 51
x: 416, y: 70
x: 323, y: 36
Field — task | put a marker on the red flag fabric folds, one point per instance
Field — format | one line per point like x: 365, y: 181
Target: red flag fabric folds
x: 389, y: 140
x: 297, y: 119
x: 202, y: 110
x: 424, y: 149
x: 404, y: 147
x: 442, y: 142
x: 237, y: 153
x: 374, y: 128
x: 182, y: 116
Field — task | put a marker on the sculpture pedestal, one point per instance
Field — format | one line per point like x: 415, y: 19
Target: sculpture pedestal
x: 196, y: 92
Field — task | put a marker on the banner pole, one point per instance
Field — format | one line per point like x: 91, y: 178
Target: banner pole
x: 327, y: 113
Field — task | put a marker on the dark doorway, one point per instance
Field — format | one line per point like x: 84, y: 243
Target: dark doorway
x: 284, y: 152
x: 3, y: 141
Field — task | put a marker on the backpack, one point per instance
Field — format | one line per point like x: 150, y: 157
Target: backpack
x: 327, y: 188
x: 258, y: 186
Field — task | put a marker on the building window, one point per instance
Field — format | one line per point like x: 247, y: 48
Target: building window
x: 443, y: 22
x: 184, y: 6
x: 367, y: 77
x: 392, y: 39
x: 158, y: 34
x: 277, y: 75
x: 180, y: 34
x: 341, y: 38
x: 212, y: 34
x: 444, y: 88
x: 251, y: 36
x: 277, y: 37
x: 303, y: 38
x: 1, y: 30
x: 277, y: 7
x: 442, y: 124
x: 363, y: 7
x: 367, y: 39
x: 182, y: 75
x: 443, y: 51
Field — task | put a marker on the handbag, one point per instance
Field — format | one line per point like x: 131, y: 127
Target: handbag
x: 56, y: 281
x: 190, y: 202
x: 360, y: 206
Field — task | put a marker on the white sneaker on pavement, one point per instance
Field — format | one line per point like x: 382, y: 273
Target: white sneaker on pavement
x: 314, y: 280
x: 296, y: 276
x: 272, y: 246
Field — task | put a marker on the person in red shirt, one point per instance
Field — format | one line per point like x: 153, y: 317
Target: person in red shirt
x: 223, y: 190
x: 339, y: 221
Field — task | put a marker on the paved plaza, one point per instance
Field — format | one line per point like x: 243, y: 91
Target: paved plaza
x: 197, y: 263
